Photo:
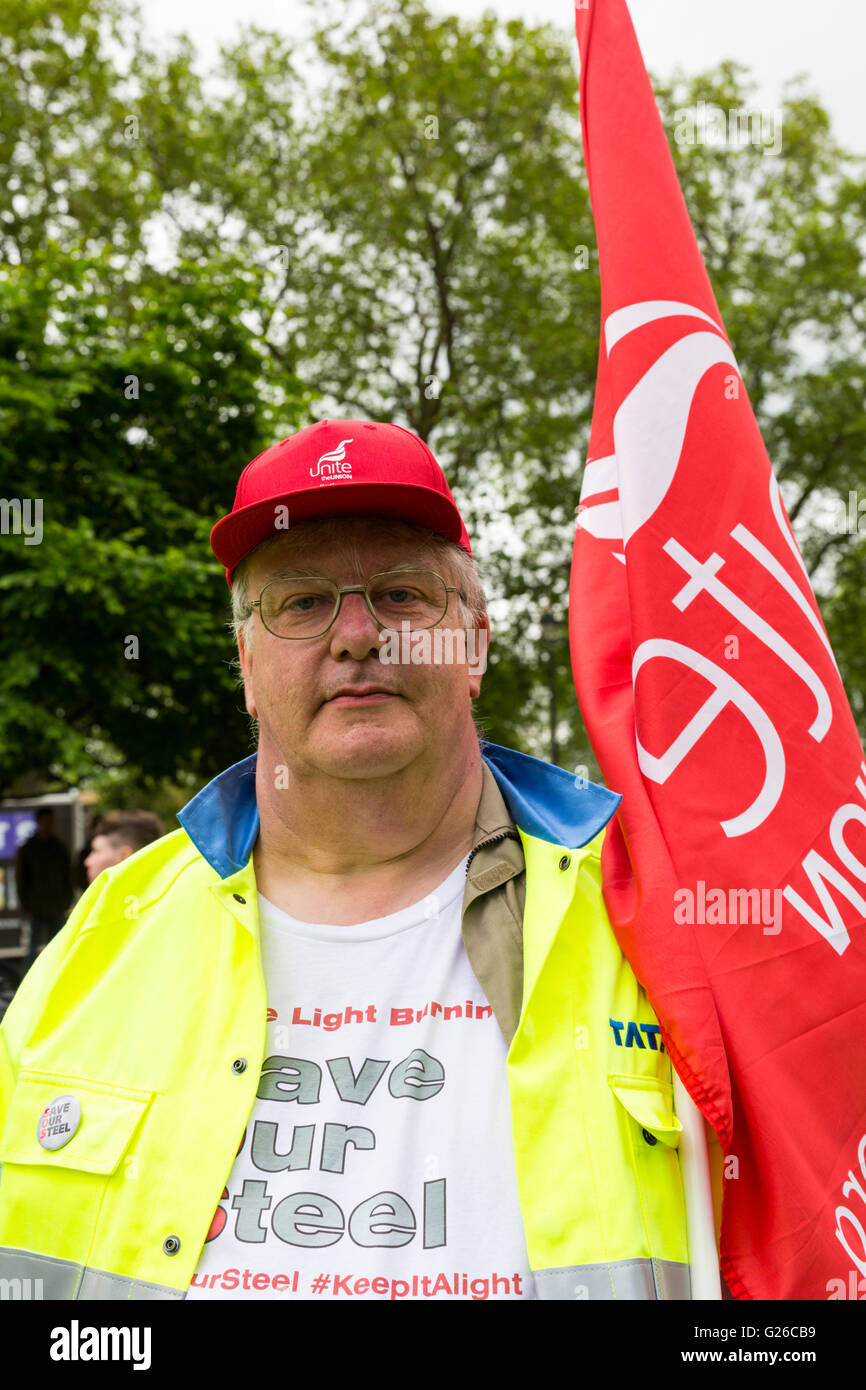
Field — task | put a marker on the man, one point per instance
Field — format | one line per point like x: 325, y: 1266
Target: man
x: 43, y: 876
x: 366, y: 1003
x: 118, y: 835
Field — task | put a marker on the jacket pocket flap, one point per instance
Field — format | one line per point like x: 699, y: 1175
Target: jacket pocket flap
x: 651, y: 1103
x: 109, y: 1117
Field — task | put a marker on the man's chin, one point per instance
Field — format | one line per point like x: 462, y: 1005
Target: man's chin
x: 367, y: 752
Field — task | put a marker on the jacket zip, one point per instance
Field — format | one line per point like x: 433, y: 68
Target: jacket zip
x: 494, y: 840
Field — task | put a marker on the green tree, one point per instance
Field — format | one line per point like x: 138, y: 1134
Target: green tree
x: 783, y: 235
x: 440, y: 270
x: 128, y: 408
x: 427, y: 206
x: 387, y: 217
x: 130, y: 398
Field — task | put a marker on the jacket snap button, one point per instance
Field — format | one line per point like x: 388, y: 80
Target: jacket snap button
x: 171, y: 1245
x: 650, y: 1138
x: 239, y: 1065
x: 238, y: 899
x: 565, y: 861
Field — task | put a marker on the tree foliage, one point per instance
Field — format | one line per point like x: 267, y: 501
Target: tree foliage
x: 381, y: 218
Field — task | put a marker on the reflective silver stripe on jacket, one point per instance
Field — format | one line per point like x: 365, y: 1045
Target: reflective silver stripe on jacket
x: 28, y: 1276
x: 663, y: 1279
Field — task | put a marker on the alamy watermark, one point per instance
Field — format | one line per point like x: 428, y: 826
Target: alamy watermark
x: 77, y: 1343
x: 708, y: 124
x: 20, y: 1290
x: 22, y: 516
x: 738, y: 906
x: 850, y: 520
x: 435, y: 646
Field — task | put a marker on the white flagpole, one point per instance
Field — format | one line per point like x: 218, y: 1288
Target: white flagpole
x: 697, y: 1186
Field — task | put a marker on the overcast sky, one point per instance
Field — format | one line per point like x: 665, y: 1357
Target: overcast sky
x: 777, y: 39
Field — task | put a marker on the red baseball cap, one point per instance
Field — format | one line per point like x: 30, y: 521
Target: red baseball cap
x: 337, y: 468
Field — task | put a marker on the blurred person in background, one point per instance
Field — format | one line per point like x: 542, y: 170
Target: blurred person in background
x: 118, y: 835
x: 43, y: 875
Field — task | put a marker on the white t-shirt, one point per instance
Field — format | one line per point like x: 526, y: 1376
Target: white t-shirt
x: 378, y: 1159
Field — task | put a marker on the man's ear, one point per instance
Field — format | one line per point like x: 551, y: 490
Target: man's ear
x: 477, y: 657
x: 245, y: 656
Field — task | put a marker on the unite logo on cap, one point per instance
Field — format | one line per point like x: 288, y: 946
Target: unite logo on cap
x: 333, y: 465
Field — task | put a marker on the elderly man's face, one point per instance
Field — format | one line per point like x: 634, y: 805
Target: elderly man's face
x: 294, y: 687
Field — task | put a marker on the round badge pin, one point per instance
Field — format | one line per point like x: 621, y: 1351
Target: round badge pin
x: 58, y: 1122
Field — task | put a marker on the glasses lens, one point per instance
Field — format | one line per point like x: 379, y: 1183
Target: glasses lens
x: 416, y: 597
x: 298, y: 607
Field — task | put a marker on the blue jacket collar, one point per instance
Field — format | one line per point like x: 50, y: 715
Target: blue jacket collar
x: 222, y: 820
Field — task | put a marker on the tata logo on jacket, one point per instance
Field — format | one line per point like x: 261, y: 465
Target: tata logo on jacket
x: 633, y: 1033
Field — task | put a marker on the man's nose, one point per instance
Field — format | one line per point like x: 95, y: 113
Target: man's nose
x: 355, y: 632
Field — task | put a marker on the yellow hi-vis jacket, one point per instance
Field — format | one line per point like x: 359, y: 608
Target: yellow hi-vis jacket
x: 131, y: 1054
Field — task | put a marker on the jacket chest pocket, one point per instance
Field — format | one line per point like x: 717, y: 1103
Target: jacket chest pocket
x: 89, y: 1132
x: 60, y: 1154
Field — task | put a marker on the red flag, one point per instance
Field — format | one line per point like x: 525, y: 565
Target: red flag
x: 735, y: 875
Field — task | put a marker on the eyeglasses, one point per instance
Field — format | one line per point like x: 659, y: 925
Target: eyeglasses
x: 308, y: 606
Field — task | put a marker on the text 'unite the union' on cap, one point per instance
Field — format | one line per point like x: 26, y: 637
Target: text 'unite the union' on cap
x: 338, y: 468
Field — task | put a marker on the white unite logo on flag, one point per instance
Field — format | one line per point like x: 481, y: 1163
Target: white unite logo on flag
x: 649, y: 430
x: 334, y: 463
x: 650, y: 425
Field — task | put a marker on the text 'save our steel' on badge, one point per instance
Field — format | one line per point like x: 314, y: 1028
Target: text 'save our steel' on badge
x: 58, y: 1122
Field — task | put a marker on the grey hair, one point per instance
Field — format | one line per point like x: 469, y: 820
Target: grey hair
x: 472, y: 599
